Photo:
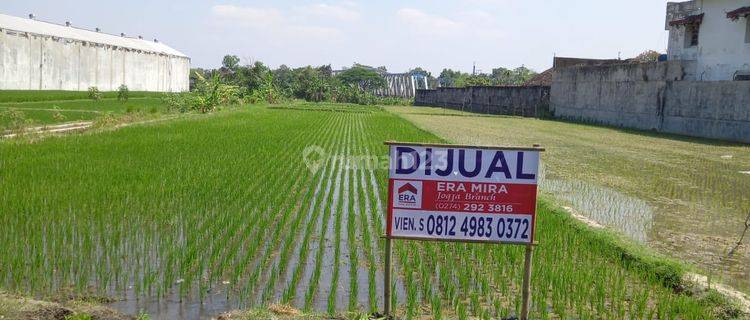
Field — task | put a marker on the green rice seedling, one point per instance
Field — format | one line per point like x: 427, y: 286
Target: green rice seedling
x: 437, y: 307
x: 352, y: 243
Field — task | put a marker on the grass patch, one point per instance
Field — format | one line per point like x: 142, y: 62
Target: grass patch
x: 47, y: 112
x: 22, y: 308
x: 59, y: 95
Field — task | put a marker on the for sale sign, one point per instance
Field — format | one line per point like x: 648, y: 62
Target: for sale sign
x: 462, y: 193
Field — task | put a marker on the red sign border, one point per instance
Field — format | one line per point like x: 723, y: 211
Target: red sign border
x: 389, y: 213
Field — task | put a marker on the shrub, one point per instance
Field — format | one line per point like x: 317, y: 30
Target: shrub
x: 15, y: 120
x: 178, y: 102
x: 267, y: 92
x: 210, y: 94
x: 94, y: 94
x: 58, y: 116
x: 123, y: 93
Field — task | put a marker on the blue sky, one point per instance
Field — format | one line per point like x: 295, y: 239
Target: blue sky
x: 397, y: 34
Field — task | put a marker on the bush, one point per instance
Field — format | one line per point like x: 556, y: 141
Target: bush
x: 179, y: 102
x: 94, y: 94
x: 58, y: 116
x: 267, y: 92
x: 15, y: 120
x: 123, y: 93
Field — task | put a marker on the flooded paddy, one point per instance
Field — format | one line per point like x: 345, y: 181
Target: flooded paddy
x: 195, y: 217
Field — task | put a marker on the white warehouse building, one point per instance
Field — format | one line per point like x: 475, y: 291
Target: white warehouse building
x: 37, y: 55
x: 714, y: 34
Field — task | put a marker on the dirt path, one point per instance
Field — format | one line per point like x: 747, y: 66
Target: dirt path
x: 77, y: 127
x: 53, y: 110
x: 51, y: 129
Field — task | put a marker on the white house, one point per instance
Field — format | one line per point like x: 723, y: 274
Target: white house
x: 713, y: 33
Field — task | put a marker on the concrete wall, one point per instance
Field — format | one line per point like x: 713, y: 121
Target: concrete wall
x: 531, y: 101
x: 653, y: 96
x: 33, y: 62
x: 723, y: 49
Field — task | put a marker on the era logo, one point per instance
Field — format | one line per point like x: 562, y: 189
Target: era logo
x: 407, y: 194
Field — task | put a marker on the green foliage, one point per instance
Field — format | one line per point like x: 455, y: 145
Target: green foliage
x: 207, y: 96
x: 94, y: 94
x: 14, y: 120
x: 364, y: 78
x: 647, y: 56
x: 123, y: 93
x: 57, y: 115
x: 51, y: 112
x: 312, y: 84
x: 230, y: 62
x: 59, y: 95
x: 143, y: 316
x: 420, y: 71
x: 498, y: 77
x: 267, y: 92
x: 284, y: 79
x: 258, y: 83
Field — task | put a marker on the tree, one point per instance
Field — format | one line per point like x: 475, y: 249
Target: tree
x: 419, y: 70
x: 252, y: 77
x: 284, y: 79
x: 364, y: 78
x: 449, y: 78
x: 522, y: 74
x: 325, y: 70
x: 313, y: 84
x: 475, y: 81
x: 647, y: 56
x: 502, y: 76
x: 231, y: 62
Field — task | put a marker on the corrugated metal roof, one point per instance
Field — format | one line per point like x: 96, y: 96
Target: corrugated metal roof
x: 56, y: 30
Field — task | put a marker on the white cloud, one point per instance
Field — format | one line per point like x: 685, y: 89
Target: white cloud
x: 345, y: 12
x: 248, y: 16
x: 423, y: 22
x: 271, y: 23
x: 474, y: 24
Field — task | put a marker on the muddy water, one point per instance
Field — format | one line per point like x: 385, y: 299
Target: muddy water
x: 337, y: 186
x: 173, y: 307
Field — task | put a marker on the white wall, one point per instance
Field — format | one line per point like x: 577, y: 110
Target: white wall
x: 721, y: 49
x: 31, y: 62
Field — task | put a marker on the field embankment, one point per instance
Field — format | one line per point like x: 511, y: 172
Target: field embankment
x: 200, y: 216
x: 19, y: 109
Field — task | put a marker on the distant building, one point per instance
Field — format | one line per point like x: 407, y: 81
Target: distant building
x: 713, y: 33
x: 403, y: 85
x: 37, y: 55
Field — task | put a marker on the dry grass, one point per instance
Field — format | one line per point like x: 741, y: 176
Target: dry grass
x: 22, y: 308
x: 695, y: 187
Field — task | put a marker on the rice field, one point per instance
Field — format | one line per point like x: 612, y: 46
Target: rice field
x: 685, y: 197
x: 51, y: 107
x: 193, y: 217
